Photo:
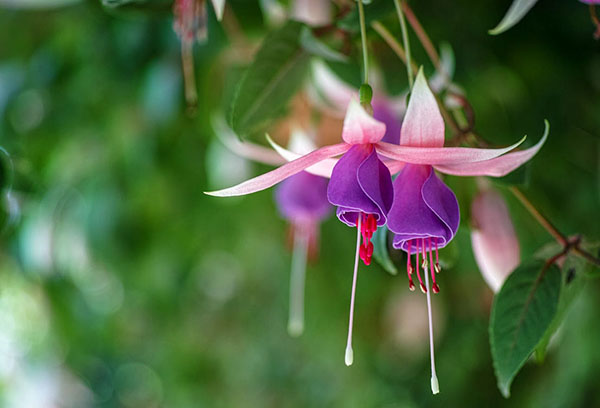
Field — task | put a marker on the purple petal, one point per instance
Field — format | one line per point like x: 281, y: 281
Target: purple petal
x: 424, y: 207
x: 303, y: 197
x: 360, y: 183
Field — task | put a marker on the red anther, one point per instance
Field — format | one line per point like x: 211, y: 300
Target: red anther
x: 435, y: 288
x: 367, y: 261
x: 438, y: 269
x: 370, y: 250
x: 423, y: 288
x: 411, y: 285
x: 362, y: 252
x: 372, y: 223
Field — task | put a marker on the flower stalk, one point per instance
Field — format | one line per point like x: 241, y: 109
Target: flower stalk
x: 363, y: 37
x: 409, y: 70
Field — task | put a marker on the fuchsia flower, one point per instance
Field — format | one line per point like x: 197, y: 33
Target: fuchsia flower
x: 302, y: 200
x: 493, y: 238
x: 419, y: 208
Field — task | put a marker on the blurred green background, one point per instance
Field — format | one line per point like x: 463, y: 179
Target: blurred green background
x: 121, y: 284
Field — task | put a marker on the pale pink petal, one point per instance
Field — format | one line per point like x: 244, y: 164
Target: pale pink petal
x: 322, y: 168
x: 219, y: 6
x: 312, y: 12
x: 440, y: 155
x: 328, y: 86
x: 247, y: 150
x: 493, y: 237
x: 423, y: 125
x: 497, y: 167
x: 271, y: 178
x: 394, y: 166
x: 360, y: 127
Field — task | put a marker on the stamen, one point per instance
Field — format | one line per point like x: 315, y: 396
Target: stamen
x: 423, y: 289
x: 409, y: 269
x: 434, y: 286
x: 297, y: 279
x: 349, y: 357
x: 435, y: 387
x: 437, y: 259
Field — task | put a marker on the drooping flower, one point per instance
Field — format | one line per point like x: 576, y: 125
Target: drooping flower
x: 302, y: 200
x: 190, y: 25
x: 493, y: 238
x: 425, y: 215
x: 360, y: 184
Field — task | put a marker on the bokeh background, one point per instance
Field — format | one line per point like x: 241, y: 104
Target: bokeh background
x: 121, y: 284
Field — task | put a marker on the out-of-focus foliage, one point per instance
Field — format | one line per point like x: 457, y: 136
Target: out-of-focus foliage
x: 123, y: 285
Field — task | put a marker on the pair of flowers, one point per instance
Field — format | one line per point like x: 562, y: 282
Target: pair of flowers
x: 417, y: 206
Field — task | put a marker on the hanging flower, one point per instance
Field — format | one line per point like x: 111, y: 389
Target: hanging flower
x: 361, y: 187
x: 493, y: 237
x: 302, y: 200
x: 425, y: 214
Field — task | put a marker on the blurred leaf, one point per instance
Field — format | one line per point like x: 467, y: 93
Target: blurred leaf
x: 139, y: 5
x: 375, y: 11
x: 522, y: 312
x: 575, y: 269
x: 275, y: 75
x: 37, y: 4
x: 381, y: 251
x: 317, y: 47
x: 515, y: 13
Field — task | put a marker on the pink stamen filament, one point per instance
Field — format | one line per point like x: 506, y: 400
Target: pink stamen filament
x: 349, y: 355
x: 437, y: 258
x: 423, y: 289
x: 297, y: 279
x: 434, y: 286
x: 409, y: 269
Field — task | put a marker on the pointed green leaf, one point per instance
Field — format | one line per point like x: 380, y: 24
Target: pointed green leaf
x: 522, y: 312
x: 515, y: 13
x: 277, y: 72
x: 575, y: 271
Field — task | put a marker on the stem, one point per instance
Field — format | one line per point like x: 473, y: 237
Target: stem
x: 543, y: 221
x: 189, y: 77
x: 423, y: 38
x: 399, y: 51
x: 363, y: 37
x: 406, y: 43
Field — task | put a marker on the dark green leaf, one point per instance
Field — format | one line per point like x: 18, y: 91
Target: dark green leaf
x: 317, y: 47
x: 375, y: 11
x: 381, y: 251
x: 522, y: 312
x: 275, y: 75
x: 574, y: 272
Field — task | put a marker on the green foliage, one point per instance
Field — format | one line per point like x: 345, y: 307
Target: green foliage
x: 377, y: 10
x: 277, y: 72
x: 318, y: 48
x: 522, y: 313
x: 381, y: 251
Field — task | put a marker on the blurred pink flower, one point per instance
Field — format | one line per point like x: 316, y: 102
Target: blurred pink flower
x: 493, y: 237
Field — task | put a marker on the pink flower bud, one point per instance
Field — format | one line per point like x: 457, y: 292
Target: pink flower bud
x: 493, y: 238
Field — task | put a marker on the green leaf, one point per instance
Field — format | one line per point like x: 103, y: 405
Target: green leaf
x: 37, y: 4
x: 138, y: 5
x: 381, y: 251
x: 317, y: 47
x: 274, y: 76
x: 575, y: 270
x: 515, y: 13
x: 375, y: 11
x: 522, y: 312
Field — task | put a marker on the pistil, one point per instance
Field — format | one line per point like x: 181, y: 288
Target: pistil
x: 349, y: 355
x: 297, y: 279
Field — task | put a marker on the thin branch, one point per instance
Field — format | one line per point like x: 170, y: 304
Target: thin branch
x: 409, y: 70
